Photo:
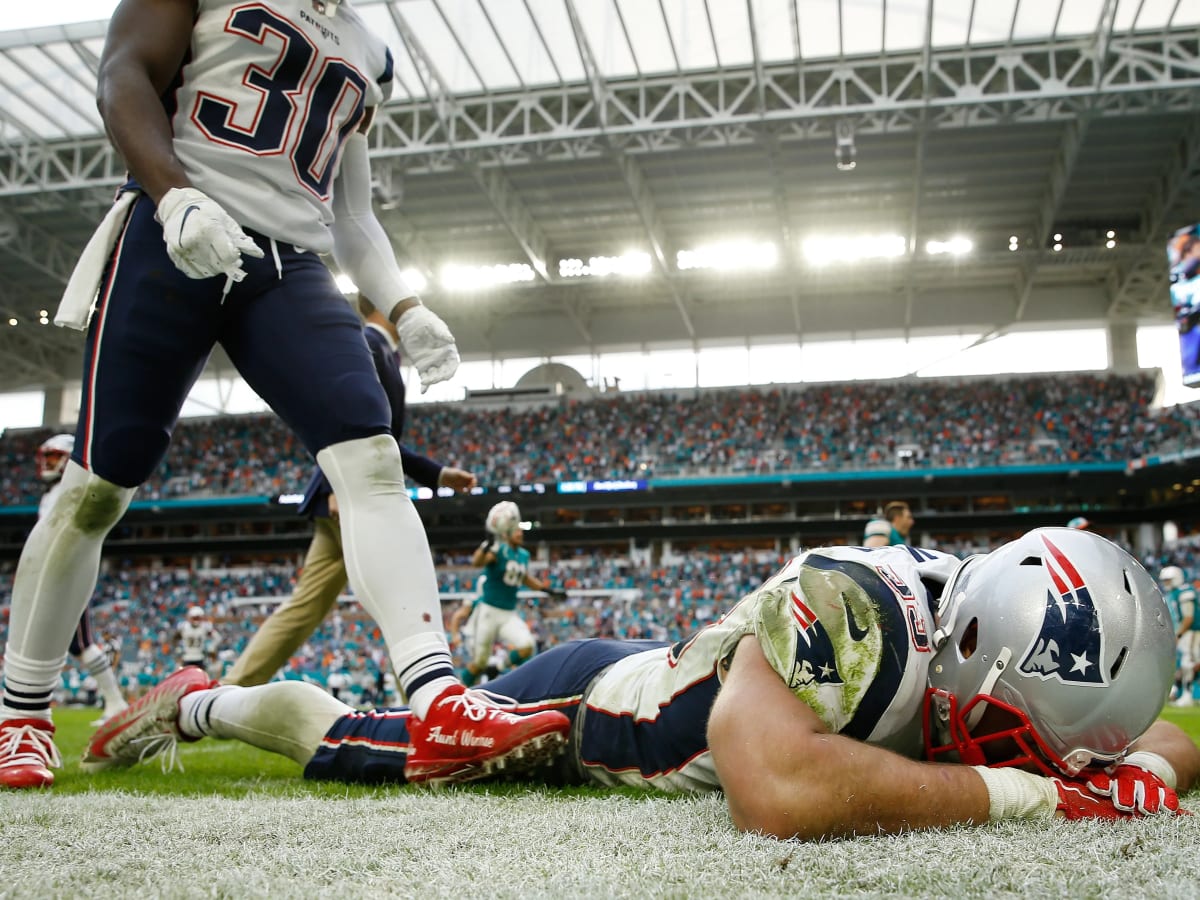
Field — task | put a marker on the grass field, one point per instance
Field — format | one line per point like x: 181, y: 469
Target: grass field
x: 242, y: 823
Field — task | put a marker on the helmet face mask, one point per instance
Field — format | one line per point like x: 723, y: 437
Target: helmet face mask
x: 1066, y: 634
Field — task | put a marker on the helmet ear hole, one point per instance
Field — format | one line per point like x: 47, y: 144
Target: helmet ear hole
x: 1118, y: 663
x: 1031, y: 561
x: 1128, y: 586
x: 969, y: 640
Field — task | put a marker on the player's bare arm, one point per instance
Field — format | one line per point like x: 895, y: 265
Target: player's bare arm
x: 147, y: 40
x: 484, y: 554
x: 785, y: 775
x: 1171, y: 743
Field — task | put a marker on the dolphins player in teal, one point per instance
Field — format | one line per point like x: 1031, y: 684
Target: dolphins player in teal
x: 822, y: 704
x: 493, y: 618
x: 1181, y: 602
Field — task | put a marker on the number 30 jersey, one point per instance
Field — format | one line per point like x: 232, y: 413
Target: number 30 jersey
x: 268, y: 93
x: 847, y: 629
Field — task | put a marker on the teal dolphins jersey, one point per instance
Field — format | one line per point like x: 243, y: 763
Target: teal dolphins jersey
x: 504, y: 576
x: 1181, y: 601
x: 882, y: 527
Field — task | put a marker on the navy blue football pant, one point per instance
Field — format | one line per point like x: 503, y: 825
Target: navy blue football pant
x: 286, y: 328
x: 371, y: 747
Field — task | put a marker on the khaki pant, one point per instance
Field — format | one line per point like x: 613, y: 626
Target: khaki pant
x: 322, y: 581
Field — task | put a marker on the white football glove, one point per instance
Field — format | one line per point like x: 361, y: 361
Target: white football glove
x: 428, y: 344
x: 202, y: 239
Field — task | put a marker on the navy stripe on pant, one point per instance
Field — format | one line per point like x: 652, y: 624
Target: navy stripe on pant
x: 371, y: 747
x: 286, y: 328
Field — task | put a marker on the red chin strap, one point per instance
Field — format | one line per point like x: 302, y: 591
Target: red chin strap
x: 969, y: 748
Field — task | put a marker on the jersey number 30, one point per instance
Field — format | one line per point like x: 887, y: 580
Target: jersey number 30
x: 298, y: 111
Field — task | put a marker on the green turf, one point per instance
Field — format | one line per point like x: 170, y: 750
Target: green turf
x: 240, y: 823
x: 233, y: 769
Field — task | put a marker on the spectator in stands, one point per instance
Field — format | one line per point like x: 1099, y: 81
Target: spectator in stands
x: 324, y: 576
x: 892, y: 529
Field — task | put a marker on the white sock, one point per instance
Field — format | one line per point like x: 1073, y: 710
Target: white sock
x: 95, y: 661
x: 55, y: 577
x: 28, y: 686
x: 285, y: 717
x: 389, y: 562
x: 428, y: 672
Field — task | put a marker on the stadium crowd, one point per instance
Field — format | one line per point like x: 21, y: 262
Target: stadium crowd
x: 856, y: 425
x: 138, y: 609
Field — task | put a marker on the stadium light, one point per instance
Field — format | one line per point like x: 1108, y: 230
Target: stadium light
x: 12, y: 322
x: 601, y: 266
x: 468, y: 278
x: 729, y: 255
x: 822, y: 251
x: 955, y: 246
x: 416, y: 279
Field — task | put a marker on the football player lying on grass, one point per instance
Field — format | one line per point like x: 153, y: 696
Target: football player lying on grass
x: 1039, y: 669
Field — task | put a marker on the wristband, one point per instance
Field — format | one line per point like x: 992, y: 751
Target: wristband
x: 1154, y: 764
x: 1013, y: 794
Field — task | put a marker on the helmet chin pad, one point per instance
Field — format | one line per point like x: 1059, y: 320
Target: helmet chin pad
x: 947, y: 733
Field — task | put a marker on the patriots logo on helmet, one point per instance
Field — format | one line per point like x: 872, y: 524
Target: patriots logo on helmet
x: 1069, y: 646
x: 815, y: 660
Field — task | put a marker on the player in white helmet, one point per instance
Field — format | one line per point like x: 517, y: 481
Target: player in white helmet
x: 493, y: 616
x: 1181, y: 601
x: 817, y: 702
x: 51, y: 460
x: 244, y: 129
x: 197, y: 639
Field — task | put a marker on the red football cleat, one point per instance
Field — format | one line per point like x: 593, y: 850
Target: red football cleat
x: 147, y: 727
x: 27, y: 753
x: 469, y: 735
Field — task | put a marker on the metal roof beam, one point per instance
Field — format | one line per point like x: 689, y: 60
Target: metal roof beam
x: 40, y: 249
x: 631, y: 173
x: 499, y: 190
x: 1056, y: 189
x: 976, y: 87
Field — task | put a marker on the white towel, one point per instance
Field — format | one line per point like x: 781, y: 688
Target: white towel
x: 80, y: 295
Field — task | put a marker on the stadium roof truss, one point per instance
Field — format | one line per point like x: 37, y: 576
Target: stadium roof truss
x: 529, y: 131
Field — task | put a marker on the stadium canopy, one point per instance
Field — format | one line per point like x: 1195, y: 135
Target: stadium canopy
x: 572, y: 176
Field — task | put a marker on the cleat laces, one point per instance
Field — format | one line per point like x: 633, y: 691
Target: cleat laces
x: 478, y: 704
x: 28, y: 745
x: 153, y: 745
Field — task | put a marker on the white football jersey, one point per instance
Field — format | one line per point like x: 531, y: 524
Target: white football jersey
x: 194, y: 640
x: 846, y: 628
x: 267, y: 95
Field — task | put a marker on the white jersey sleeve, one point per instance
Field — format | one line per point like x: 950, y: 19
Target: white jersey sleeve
x: 266, y: 98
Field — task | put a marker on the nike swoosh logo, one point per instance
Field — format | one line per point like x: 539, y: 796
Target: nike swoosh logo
x: 856, y: 633
x: 187, y: 212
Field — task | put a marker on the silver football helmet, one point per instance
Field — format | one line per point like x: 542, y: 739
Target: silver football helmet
x: 1064, y: 631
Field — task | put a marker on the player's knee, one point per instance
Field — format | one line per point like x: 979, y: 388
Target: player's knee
x: 94, y: 504
x: 364, y: 467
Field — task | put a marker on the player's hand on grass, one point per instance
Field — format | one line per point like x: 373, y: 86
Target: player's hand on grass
x: 1136, y: 791
x: 202, y: 239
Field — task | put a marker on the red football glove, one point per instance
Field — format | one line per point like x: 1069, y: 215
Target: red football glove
x: 1136, y: 791
x: 1076, y: 801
